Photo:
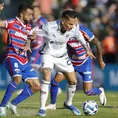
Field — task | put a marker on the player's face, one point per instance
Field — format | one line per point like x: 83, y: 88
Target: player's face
x: 69, y: 24
x: 28, y: 15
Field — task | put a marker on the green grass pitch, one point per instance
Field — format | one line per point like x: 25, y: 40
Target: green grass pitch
x: 29, y: 108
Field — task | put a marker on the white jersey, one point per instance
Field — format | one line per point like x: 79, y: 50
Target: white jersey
x: 55, y: 42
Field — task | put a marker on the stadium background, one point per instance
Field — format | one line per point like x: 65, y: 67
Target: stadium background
x: 101, y: 16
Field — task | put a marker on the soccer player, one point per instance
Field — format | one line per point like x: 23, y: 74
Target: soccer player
x: 54, y: 55
x: 83, y: 65
x: 16, y: 61
x: 35, y: 60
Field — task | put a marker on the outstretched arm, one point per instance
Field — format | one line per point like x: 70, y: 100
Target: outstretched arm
x: 98, y: 45
x: 83, y: 42
x: 2, y: 23
x: 89, y: 52
x: 1, y: 6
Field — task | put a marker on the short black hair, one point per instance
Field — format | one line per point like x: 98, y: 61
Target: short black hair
x: 69, y: 14
x: 24, y: 7
x: 35, y: 6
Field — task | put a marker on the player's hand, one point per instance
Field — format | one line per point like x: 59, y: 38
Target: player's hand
x: 32, y: 36
x: 1, y: 6
x: 102, y: 65
x: 91, y: 55
x: 27, y: 48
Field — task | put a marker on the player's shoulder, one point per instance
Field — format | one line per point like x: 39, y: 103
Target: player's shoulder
x: 87, y: 33
x: 11, y: 20
x: 42, y: 19
x: 51, y: 26
x: 85, y: 29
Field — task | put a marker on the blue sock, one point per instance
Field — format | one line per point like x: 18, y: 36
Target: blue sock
x: 10, y: 89
x: 54, y: 91
x: 24, y: 95
x: 93, y: 91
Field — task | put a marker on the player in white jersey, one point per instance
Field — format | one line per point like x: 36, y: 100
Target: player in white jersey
x: 54, y: 55
x: 82, y: 64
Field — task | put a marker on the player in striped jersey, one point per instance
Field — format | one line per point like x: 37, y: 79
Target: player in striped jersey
x: 83, y: 65
x: 38, y: 20
x: 16, y: 61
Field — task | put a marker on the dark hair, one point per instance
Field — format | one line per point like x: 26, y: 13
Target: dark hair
x: 24, y: 7
x: 36, y: 6
x: 69, y: 14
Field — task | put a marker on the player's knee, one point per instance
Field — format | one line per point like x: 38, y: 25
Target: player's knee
x: 36, y: 87
x: 34, y: 84
x: 17, y: 79
x: 74, y: 82
x: 88, y: 92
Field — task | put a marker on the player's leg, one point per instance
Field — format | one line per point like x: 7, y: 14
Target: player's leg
x: 32, y: 86
x: 88, y: 82
x: 71, y: 88
x: 47, y: 67
x: 13, y: 68
x: 64, y: 65
x: 85, y: 70
x: 89, y: 90
x: 54, y: 90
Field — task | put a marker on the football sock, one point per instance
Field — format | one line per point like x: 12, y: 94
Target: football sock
x: 53, y: 91
x: 27, y: 92
x: 93, y: 91
x: 10, y: 89
x: 44, y: 93
x: 70, y: 93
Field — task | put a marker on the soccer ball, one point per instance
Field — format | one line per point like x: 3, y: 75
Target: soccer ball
x: 90, y: 107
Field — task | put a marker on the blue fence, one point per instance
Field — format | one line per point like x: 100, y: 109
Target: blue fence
x: 4, y: 77
x: 111, y: 77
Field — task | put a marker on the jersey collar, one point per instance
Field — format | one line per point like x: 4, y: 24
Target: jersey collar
x: 20, y: 22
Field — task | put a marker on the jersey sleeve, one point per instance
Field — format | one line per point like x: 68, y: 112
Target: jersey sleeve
x: 42, y: 20
x: 40, y: 31
x: 86, y: 33
x: 8, y: 23
x: 79, y: 36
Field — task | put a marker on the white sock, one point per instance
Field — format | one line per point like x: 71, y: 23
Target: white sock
x: 44, y: 93
x: 70, y: 93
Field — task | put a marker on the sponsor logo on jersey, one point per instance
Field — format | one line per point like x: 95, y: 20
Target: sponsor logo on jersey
x: 21, y: 35
x: 55, y: 42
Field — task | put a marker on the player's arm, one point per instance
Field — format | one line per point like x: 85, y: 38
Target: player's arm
x: 1, y: 7
x: 98, y: 45
x: 27, y: 46
x: 2, y: 22
x: 83, y: 42
x: 31, y: 37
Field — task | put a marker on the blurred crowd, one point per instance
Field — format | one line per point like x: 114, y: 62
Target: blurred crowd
x: 100, y: 16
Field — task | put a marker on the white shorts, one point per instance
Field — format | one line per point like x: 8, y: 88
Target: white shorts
x: 61, y: 64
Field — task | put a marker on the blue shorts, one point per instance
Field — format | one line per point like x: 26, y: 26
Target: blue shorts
x: 15, y: 68
x: 85, y: 70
